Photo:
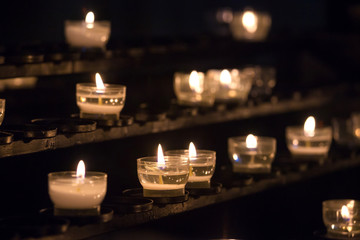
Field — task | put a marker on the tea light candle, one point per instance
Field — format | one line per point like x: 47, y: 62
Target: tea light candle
x: 231, y: 85
x: 308, y: 141
x: 342, y: 217
x: 163, y: 176
x: 202, y: 165
x: 194, y: 89
x: 251, y: 154
x: 250, y: 25
x: 77, y: 193
x: 87, y: 33
x: 100, y: 101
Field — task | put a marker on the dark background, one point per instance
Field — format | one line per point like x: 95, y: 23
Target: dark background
x: 312, y: 44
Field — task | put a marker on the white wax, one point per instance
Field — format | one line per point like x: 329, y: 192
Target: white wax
x: 199, y: 178
x: 309, y: 150
x: 74, y: 194
x: 79, y: 35
x: 99, y: 108
x: 156, y: 186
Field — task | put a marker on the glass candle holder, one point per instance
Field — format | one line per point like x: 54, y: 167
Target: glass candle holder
x: 74, y: 196
x: 89, y: 35
x: 232, y: 86
x: 193, y: 89
x: 301, y: 145
x: 253, y: 159
x: 355, y: 122
x: 250, y: 25
x: 95, y: 103
x: 2, y: 110
x: 342, y: 217
x: 202, y: 166
x: 166, y: 179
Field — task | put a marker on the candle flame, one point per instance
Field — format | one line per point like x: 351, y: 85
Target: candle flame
x: 225, y: 77
x: 192, y: 150
x: 160, y: 156
x: 80, y: 171
x: 251, y: 141
x: 195, y: 83
x: 99, y: 82
x: 309, y: 127
x: 345, y: 214
x: 250, y: 21
x: 90, y: 19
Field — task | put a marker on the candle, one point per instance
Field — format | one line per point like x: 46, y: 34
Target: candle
x: 100, y: 101
x: 2, y: 110
x: 342, y: 217
x: 309, y: 141
x: 202, y: 165
x: 251, y: 154
x: 194, y: 89
x: 231, y: 85
x: 163, y: 176
x: 250, y: 25
x: 77, y: 193
x: 87, y: 33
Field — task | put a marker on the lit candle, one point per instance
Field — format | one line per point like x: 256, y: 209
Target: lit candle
x: 340, y: 217
x: 202, y: 165
x: 251, y: 145
x: 87, y: 33
x: 250, y: 25
x: 250, y: 21
x: 231, y: 85
x: 100, y: 101
x: 308, y: 140
x: 194, y: 89
x: 252, y: 154
x: 163, y: 176
x: 77, y: 193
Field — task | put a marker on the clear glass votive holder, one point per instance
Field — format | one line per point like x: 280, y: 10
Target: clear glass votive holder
x: 233, y: 89
x: 304, y: 146
x: 105, y: 104
x: 202, y: 166
x: 78, y: 34
x: 252, y: 160
x: 250, y: 25
x: 75, y: 196
x: 2, y: 110
x: 355, y: 122
x: 341, y: 217
x: 166, y: 179
x: 199, y: 92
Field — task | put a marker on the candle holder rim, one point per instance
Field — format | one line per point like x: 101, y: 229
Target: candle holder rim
x: 184, y: 73
x: 327, y: 203
x: 107, y: 86
x: 72, y: 174
x: 186, y: 151
x: 258, y: 138
x: 154, y: 159
x: 100, y: 22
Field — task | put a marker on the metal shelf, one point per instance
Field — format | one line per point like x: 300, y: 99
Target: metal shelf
x: 21, y: 147
x: 126, y: 220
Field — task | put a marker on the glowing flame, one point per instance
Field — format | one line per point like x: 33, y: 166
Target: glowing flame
x: 160, y: 156
x: 345, y: 214
x: 309, y: 127
x: 99, y: 82
x: 192, y: 150
x: 250, y: 21
x: 225, y: 77
x: 80, y: 171
x: 90, y: 19
x: 195, y: 83
x: 251, y: 141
